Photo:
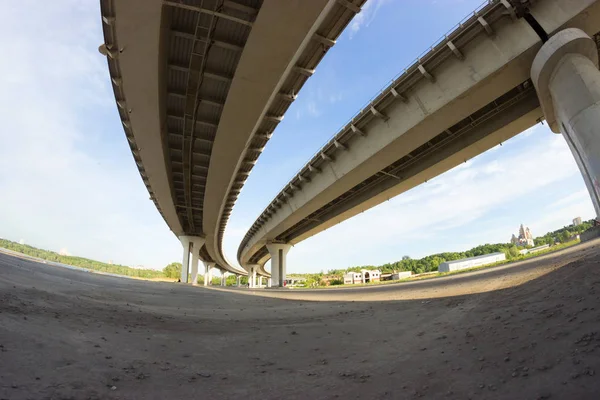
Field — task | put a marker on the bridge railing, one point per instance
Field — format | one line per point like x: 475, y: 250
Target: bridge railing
x: 406, y: 71
x: 386, y: 87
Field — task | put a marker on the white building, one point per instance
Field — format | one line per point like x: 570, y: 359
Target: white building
x: 577, y: 221
x: 471, y: 262
x: 370, y: 275
x: 401, y: 275
x: 364, y: 276
x: 534, y: 250
x: 352, y: 277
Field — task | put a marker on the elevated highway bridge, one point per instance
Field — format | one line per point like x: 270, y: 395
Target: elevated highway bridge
x: 505, y: 68
x: 200, y: 86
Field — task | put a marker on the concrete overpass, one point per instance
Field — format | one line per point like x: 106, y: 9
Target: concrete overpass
x: 200, y: 87
x: 472, y: 90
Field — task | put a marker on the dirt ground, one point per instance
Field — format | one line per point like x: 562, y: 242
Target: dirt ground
x: 527, y: 331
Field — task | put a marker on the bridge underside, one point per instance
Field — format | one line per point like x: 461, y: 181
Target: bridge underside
x: 201, y: 85
x: 469, y: 93
x: 462, y: 141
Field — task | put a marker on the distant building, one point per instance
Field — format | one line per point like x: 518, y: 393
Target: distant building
x: 369, y: 276
x: 534, y: 250
x: 352, y: 277
x: 525, y: 237
x: 471, y: 262
x: 577, y: 221
x: 292, y: 281
x: 401, y: 275
x: 364, y: 276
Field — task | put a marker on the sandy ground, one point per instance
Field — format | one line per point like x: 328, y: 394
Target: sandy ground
x: 527, y: 331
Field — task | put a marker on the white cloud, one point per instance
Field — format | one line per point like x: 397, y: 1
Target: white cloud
x: 312, y: 109
x: 366, y: 16
x: 70, y: 179
x: 575, y: 197
x: 334, y: 98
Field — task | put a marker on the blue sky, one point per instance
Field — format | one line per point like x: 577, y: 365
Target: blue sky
x: 69, y: 181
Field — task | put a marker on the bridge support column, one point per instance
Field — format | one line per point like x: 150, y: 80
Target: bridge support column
x: 566, y: 76
x: 252, y: 275
x: 185, y: 264
x: 191, y: 245
x: 278, y: 252
x: 239, y: 281
x: 197, y: 243
x: 223, y: 277
x: 208, y: 266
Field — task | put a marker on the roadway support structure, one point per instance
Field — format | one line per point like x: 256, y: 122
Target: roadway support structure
x: 191, y: 245
x: 208, y: 266
x: 223, y: 278
x: 278, y: 252
x: 566, y: 76
x: 239, y: 280
x: 252, y: 275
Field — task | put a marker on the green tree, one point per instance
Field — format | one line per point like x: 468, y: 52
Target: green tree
x: 172, y: 270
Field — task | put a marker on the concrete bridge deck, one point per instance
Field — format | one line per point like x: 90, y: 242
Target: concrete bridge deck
x: 468, y: 93
x: 200, y: 87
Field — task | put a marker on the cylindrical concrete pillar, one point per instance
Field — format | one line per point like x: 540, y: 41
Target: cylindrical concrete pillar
x: 208, y: 266
x: 195, y: 254
x: 223, y: 277
x: 566, y: 76
x: 278, y: 252
x: 185, y: 264
x: 252, y: 270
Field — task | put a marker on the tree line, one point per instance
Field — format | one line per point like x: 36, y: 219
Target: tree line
x: 417, y: 266
x: 80, y: 261
x: 431, y: 263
